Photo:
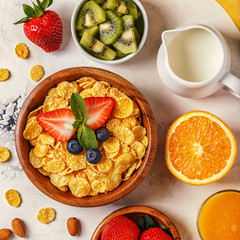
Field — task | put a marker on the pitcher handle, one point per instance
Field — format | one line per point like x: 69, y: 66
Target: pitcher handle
x: 231, y: 84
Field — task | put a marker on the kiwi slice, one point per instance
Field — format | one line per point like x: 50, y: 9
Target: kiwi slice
x: 120, y: 54
x: 100, y: 2
x: 137, y: 35
x: 96, y: 47
x: 90, y: 15
x: 127, y: 43
x: 92, y: 31
x: 111, y: 29
x: 123, y: 7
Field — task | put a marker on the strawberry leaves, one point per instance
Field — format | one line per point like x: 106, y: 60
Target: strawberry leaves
x: 86, y: 135
x: 37, y: 10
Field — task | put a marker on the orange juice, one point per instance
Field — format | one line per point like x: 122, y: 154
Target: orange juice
x: 219, y: 218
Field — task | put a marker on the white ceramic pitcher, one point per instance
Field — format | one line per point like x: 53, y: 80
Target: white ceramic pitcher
x: 220, y: 78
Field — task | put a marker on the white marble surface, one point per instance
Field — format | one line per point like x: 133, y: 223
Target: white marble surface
x: 160, y: 189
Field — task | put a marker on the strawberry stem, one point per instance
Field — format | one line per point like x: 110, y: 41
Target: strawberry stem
x: 37, y: 10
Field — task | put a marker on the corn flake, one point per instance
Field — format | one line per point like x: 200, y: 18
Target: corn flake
x: 55, y: 166
x: 124, y: 135
x: 46, y: 215
x: 45, y: 138
x: 4, y: 74
x: 41, y: 150
x: 123, y: 108
x: 104, y: 165
x: 35, y: 112
x: 139, y: 149
x: 43, y: 172
x: 98, y: 186
x: 127, y: 174
x: 52, y: 103
x: 79, y: 187
x: 139, y: 132
x: 111, y: 145
x: 32, y: 130
x: 65, y: 89
x: 13, y: 198
x: 36, y: 162
x: 112, y: 124
x: 4, y: 154
x: 60, y: 180
x: 86, y: 93
x: 36, y: 73
x: 21, y: 50
x: 113, y: 181
x: 136, y: 111
x: 99, y: 90
x: 76, y: 162
x: 130, y: 122
x: 144, y: 141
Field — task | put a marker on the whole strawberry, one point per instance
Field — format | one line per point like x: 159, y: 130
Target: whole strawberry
x: 43, y: 28
x: 120, y: 228
x: 155, y: 233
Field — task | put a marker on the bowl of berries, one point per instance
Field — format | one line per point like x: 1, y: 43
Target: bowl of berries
x: 86, y: 137
x: 109, y: 31
x: 136, y: 223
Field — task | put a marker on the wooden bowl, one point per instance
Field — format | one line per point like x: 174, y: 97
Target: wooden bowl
x: 134, y: 213
x: 36, y: 98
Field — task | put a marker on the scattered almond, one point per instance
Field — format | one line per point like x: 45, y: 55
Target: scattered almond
x: 73, y: 225
x: 18, y: 227
x: 5, y: 234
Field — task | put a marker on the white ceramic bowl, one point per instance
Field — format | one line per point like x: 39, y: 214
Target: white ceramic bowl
x: 121, y: 60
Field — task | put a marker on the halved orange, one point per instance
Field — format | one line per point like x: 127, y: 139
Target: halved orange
x: 199, y: 148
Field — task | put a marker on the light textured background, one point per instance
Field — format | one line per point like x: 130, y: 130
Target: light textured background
x: 160, y: 189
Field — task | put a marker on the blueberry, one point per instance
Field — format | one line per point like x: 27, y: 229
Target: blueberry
x: 102, y: 134
x: 74, y: 147
x: 93, y: 155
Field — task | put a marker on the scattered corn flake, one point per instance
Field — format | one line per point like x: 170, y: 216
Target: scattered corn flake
x: 41, y: 150
x: 123, y: 108
x: 46, y: 215
x: 139, y: 149
x: 124, y: 135
x: 79, y: 187
x: 21, y: 50
x: 4, y: 154
x: 13, y: 198
x: 65, y: 89
x: 4, y: 74
x: 36, y: 162
x: 36, y: 73
x: 111, y: 145
x: 32, y: 130
x: 139, y: 132
x: 113, y: 181
x: 111, y: 124
x: 55, y: 166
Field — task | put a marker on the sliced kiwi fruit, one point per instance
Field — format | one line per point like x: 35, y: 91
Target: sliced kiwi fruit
x: 92, y: 31
x: 127, y: 43
x: 123, y: 7
x: 120, y: 54
x: 111, y: 29
x: 137, y: 35
x: 96, y: 47
x: 90, y: 15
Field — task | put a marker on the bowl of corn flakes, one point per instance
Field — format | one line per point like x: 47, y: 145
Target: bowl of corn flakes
x: 74, y: 105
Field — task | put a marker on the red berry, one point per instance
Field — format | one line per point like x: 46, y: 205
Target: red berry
x: 45, y: 31
x: 155, y: 234
x: 120, y: 228
x: 58, y: 124
x: 98, y: 109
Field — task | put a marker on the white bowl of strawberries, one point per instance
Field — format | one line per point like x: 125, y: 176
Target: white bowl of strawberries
x: 109, y: 31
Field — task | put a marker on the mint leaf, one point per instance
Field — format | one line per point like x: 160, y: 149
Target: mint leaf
x: 39, y: 3
x: 50, y: 3
x: 87, y: 137
x: 149, y: 222
x: 29, y: 11
x: 78, y: 106
x: 79, y: 123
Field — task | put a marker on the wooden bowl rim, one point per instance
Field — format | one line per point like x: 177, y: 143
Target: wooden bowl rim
x: 138, y: 209
x: 66, y: 197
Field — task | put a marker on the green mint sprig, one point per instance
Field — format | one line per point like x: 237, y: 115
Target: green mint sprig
x: 86, y: 135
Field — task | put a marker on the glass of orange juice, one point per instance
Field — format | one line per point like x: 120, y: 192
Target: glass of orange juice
x: 219, y: 216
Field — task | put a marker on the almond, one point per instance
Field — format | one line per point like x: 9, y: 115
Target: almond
x: 18, y: 227
x: 73, y: 225
x: 5, y: 234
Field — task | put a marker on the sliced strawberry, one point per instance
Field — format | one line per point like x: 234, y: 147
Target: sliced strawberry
x: 58, y: 124
x: 98, y: 110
